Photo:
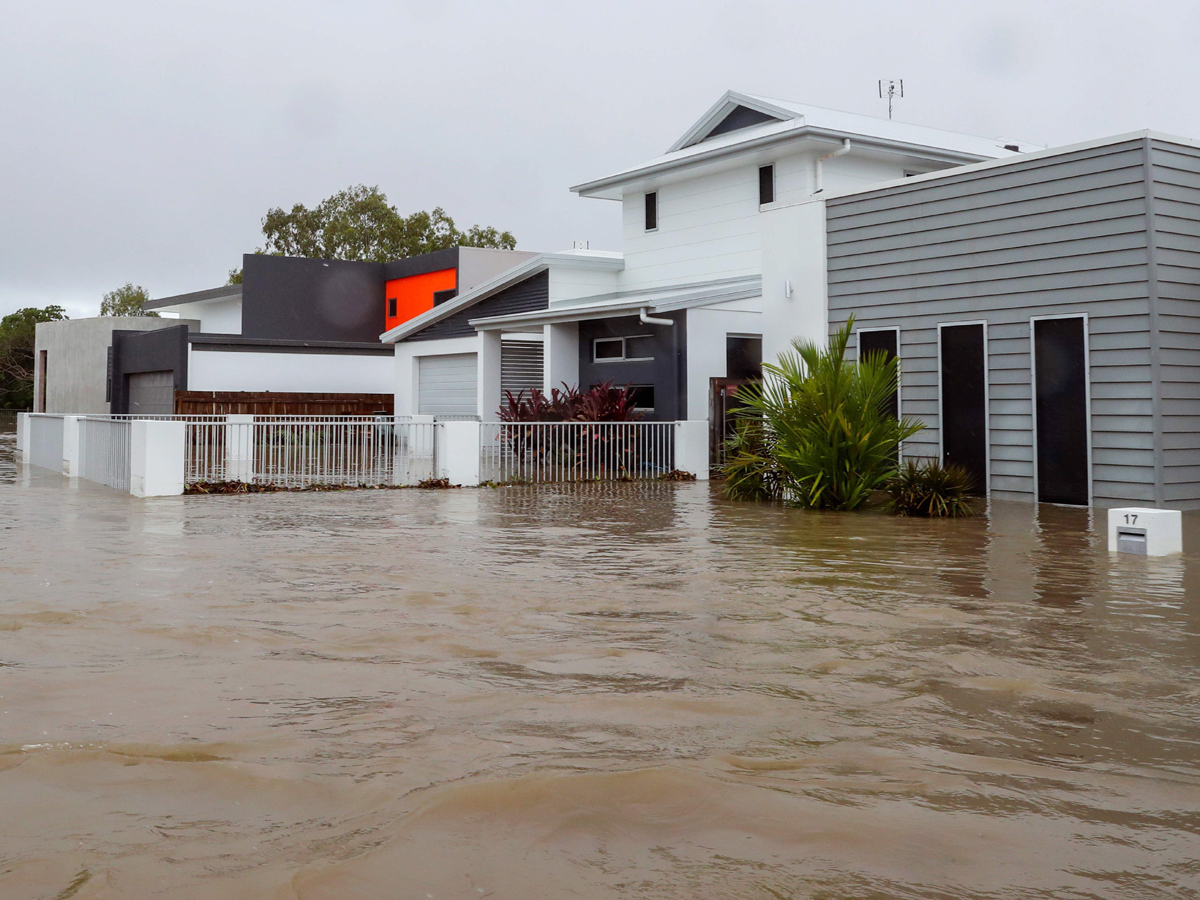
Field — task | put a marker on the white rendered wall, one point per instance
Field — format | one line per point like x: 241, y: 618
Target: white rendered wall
x: 710, y: 225
x: 569, y: 282
x: 215, y: 316
x: 405, y: 368
x: 210, y: 370
x: 707, y: 328
x: 794, y: 251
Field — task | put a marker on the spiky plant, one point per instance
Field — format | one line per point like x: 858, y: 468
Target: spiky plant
x: 927, y: 488
x: 751, y: 471
x: 834, y: 438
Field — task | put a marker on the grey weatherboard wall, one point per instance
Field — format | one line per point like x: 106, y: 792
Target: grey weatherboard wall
x: 1112, y: 231
x: 529, y: 295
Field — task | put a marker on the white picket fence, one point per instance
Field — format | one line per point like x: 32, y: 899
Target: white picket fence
x: 554, y: 452
x: 298, y: 451
x: 104, y: 451
x: 160, y: 455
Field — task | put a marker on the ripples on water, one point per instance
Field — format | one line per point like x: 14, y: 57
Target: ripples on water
x: 636, y: 691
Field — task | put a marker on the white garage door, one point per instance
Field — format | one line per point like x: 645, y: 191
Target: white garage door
x: 446, y: 385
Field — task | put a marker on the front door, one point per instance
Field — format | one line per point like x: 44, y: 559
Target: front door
x: 964, y: 400
x: 1060, y: 374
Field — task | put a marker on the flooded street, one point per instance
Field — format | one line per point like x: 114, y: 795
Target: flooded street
x: 634, y: 691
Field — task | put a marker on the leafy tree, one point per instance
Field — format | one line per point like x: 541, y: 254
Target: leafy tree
x: 827, y: 427
x: 235, y: 276
x: 359, y: 223
x: 126, y: 300
x: 17, y: 333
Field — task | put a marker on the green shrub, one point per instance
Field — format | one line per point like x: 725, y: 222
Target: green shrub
x: 927, y: 488
x: 831, y: 433
x: 750, y: 469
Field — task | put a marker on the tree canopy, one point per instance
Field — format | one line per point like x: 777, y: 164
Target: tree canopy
x: 359, y: 223
x: 126, y: 300
x: 17, y: 332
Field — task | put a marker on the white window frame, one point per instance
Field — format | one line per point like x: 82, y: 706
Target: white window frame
x: 657, y: 211
x: 622, y: 358
x: 1087, y: 400
x: 987, y: 402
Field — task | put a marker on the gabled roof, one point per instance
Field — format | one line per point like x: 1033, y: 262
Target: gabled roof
x: 740, y: 122
x: 518, y: 273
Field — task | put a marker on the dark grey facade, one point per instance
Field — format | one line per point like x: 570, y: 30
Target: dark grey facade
x: 529, y: 295
x: 665, y: 372
x: 137, y: 353
x: 1109, y: 232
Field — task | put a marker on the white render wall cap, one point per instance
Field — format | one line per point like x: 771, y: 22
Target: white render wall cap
x: 518, y: 273
x: 796, y: 121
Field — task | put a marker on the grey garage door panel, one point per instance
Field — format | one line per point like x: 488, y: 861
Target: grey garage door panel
x: 446, y: 385
x: 152, y: 393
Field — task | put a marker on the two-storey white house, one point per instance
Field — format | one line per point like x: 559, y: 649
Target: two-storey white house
x: 715, y: 233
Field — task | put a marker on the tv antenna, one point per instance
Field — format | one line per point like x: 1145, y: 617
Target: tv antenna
x: 894, y: 88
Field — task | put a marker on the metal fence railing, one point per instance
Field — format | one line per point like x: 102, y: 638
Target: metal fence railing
x: 548, y: 452
x: 299, y: 451
x: 46, y: 441
x: 104, y: 451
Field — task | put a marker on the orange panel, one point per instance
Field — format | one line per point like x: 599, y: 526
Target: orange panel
x: 414, y: 294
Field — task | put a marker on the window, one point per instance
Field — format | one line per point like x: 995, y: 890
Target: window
x: 606, y: 349
x: 440, y: 297
x: 652, y: 211
x: 643, y: 396
x: 635, y: 348
x: 766, y: 184
x: 391, y: 307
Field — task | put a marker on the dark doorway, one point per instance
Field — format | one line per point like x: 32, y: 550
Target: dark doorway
x: 884, y: 342
x: 964, y: 400
x: 1060, y: 374
x: 743, y: 364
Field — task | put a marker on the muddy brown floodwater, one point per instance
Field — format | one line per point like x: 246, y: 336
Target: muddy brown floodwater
x: 628, y: 691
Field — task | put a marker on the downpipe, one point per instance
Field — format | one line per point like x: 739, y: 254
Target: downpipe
x: 817, y: 175
x: 647, y: 319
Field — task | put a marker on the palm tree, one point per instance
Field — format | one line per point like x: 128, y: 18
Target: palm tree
x: 830, y: 432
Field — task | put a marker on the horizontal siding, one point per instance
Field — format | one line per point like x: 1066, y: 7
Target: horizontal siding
x: 1177, y: 237
x: 1060, y: 235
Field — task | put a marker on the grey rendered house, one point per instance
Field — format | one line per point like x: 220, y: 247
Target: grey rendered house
x: 1046, y: 312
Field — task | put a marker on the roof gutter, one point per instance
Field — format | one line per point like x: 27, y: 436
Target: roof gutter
x: 936, y: 154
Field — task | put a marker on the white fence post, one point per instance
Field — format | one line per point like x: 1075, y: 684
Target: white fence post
x: 239, y: 448
x: 458, y: 452
x: 156, y: 458
x: 70, y: 451
x: 691, y: 448
x: 22, y: 437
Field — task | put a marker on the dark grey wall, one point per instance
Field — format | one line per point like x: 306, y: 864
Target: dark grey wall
x: 419, y: 265
x: 529, y: 295
x: 1061, y: 234
x: 288, y: 298
x: 1176, y: 282
x: 666, y: 371
x: 164, y: 350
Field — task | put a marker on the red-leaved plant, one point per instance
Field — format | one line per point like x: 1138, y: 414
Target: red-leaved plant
x: 602, y: 403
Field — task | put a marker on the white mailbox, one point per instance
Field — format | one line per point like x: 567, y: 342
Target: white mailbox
x: 1146, y: 532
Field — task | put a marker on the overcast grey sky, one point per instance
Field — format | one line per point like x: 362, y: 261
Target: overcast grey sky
x: 144, y: 141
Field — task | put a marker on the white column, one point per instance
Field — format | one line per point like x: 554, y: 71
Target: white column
x: 691, y: 448
x: 458, y: 452
x: 794, y: 278
x: 71, y: 448
x: 239, y: 448
x: 490, y: 397
x: 561, y: 347
x: 156, y: 458
x: 22, y: 436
